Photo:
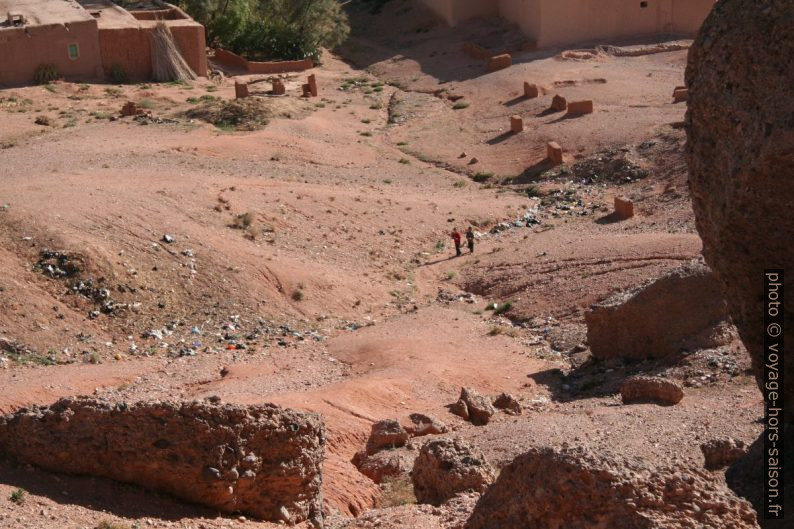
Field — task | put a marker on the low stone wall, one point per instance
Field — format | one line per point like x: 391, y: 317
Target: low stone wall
x: 256, y: 67
x: 264, y: 461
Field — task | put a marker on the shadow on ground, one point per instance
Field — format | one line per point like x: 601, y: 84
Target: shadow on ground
x: 99, y: 494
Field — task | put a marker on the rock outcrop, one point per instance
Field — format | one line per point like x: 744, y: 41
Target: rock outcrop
x: 507, y: 403
x: 682, y: 309
x: 473, y: 407
x: 422, y: 424
x: 265, y: 461
x: 658, y: 390
x: 387, y: 433
x: 446, y: 467
x: 385, y: 464
x: 720, y: 453
x: 740, y: 126
x: 551, y: 489
x: 740, y: 151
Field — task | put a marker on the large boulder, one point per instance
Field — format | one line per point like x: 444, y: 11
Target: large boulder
x: 657, y: 390
x: 387, y: 433
x: 681, y: 310
x: 474, y: 407
x: 740, y: 150
x: 264, y: 461
x: 554, y: 489
x: 447, y: 467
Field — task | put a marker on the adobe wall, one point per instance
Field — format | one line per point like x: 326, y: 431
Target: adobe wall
x: 131, y: 48
x: 689, y: 15
x: 453, y: 12
x: 265, y: 461
x: 563, y: 22
x: 570, y: 21
x: 256, y: 67
x: 21, y: 54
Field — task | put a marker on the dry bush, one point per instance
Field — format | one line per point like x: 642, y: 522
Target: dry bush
x: 398, y: 490
x: 240, y: 114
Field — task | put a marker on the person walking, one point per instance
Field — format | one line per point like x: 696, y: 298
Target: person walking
x: 457, y: 239
x: 470, y: 239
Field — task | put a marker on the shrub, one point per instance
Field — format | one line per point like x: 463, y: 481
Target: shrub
x: 297, y: 295
x: 45, y: 73
x: 18, y: 496
x: 483, y: 176
x: 118, y: 75
x: 42, y: 120
x: 460, y: 105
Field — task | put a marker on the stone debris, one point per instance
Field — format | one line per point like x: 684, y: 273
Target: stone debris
x: 473, y: 407
x: 559, y: 103
x: 624, y: 208
x: 500, y: 62
x: 240, y: 90
x: 278, y: 87
x: 516, y: 124
x: 554, y: 153
x: 313, y: 85
x: 258, y: 460
x: 549, y: 488
x: 387, y: 433
x: 507, y: 403
x: 680, y: 94
x: 531, y: 91
x: 385, y: 464
x: 447, y: 467
x: 639, y: 389
x: 131, y: 108
x: 578, y: 108
x: 422, y: 424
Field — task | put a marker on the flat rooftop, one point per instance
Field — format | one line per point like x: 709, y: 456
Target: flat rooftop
x: 43, y: 12
x: 109, y: 14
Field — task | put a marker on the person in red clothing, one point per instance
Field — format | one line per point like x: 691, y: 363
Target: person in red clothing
x: 456, y: 238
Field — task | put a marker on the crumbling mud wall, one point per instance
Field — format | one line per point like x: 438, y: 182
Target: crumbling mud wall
x: 682, y: 309
x: 264, y: 461
x: 552, y: 489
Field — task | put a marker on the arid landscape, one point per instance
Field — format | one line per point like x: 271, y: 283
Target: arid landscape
x: 296, y: 251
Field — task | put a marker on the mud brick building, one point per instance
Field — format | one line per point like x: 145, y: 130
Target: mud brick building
x: 552, y: 23
x: 85, y: 39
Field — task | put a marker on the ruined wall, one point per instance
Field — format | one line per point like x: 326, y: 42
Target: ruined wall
x: 22, y: 50
x: 265, y: 461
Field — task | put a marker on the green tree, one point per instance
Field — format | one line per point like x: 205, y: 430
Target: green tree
x: 272, y: 29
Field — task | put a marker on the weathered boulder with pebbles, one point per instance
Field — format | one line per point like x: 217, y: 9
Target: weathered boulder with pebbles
x: 446, y: 467
x: 554, y: 489
x: 473, y: 407
x: 720, y: 453
x: 385, y: 464
x: 681, y: 310
x: 638, y: 389
x: 387, y: 433
x: 264, y: 461
x: 508, y: 404
x: 422, y: 424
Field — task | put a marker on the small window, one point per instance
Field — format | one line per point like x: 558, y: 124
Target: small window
x: 643, y: 4
x: 74, y: 51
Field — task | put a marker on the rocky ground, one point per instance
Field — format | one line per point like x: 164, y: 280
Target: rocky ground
x: 308, y: 263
